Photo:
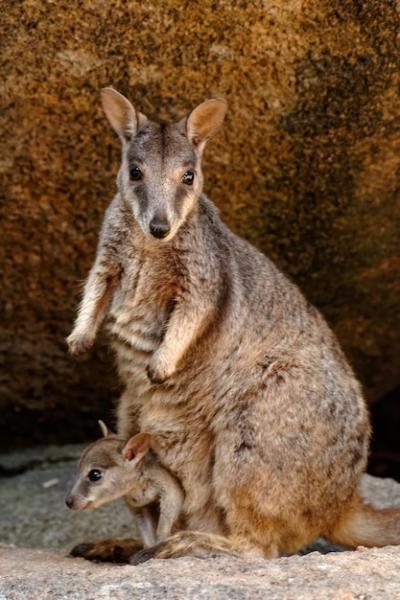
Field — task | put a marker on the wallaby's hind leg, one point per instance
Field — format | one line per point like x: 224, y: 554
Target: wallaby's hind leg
x: 187, y: 543
x: 203, y: 545
x: 113, y: 550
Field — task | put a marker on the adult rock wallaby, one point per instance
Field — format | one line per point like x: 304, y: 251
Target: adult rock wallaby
x: 249, y: 399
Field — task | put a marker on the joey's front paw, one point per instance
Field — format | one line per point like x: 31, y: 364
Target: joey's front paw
x: 158, y: 371
x: 79, y: 344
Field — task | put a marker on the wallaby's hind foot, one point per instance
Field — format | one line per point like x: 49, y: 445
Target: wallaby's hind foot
x: 147, y: 554
x: 200, y: 545
x: 113, y: 550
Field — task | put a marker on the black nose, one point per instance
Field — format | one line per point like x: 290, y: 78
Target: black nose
x: 69, y: 502
x: 159, y: 229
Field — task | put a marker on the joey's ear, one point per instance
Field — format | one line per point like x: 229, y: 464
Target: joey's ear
x: 205, y: 120
x: 123, y: 116
x: 104, y: 428
x: 137, y: 446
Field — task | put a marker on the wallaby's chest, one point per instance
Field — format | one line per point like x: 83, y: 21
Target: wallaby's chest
x: 139, y: 311
x: 142, y: 493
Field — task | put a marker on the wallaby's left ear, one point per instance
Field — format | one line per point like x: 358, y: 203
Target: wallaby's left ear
x: 136, y: 447
x: 104, y: 428
x: 205, y: 120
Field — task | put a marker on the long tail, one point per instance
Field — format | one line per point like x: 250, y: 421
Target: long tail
x: 364, y: 525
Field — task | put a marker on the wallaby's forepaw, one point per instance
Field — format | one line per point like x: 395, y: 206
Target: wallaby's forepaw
x: 154, y: 377
x: 79, y: 344
x: 158, y: 371
x: 118, y: 551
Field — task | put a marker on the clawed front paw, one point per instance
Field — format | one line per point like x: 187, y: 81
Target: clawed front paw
x: 79, y: 344
x: 158, y: 371
x: 154, y: 376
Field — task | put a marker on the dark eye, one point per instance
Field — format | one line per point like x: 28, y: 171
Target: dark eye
x: 95, y: 475
x: 188, y: 177
x: 135, y: 173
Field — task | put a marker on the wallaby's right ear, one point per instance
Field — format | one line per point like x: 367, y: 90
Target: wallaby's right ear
x: 136, y: 447
x: 123, y: 116
x: 205, y: 120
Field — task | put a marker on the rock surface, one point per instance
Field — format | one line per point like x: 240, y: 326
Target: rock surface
x: 307, y: 168
x: 362, y: 575
x: 34, y: 519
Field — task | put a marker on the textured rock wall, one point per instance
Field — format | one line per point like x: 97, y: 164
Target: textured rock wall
x: 307, y: 168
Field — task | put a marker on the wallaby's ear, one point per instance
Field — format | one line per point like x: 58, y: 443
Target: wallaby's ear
x: 205, y: 120
x: 104, y: 428
x: 122, y: 115
x: 136, y: 447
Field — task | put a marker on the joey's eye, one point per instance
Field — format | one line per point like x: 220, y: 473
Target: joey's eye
x: 188, y: 177
x: 135, y: 173
x: 95, y: 475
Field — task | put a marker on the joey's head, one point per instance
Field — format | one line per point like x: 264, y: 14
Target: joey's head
x: 107, y: 470
x: 160, y: 176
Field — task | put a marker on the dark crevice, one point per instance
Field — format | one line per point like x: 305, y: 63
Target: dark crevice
x: 385, y: 444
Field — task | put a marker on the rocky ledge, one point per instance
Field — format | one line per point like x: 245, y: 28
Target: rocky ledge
x: 44, y: 575
x: 36, y: 532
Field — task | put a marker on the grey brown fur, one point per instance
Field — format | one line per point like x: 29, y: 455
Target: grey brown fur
x: 247, y: 395
x: 130, y: 469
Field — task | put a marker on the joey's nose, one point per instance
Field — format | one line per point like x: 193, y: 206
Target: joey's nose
x: 69, y: 502
x: 159, y: 228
